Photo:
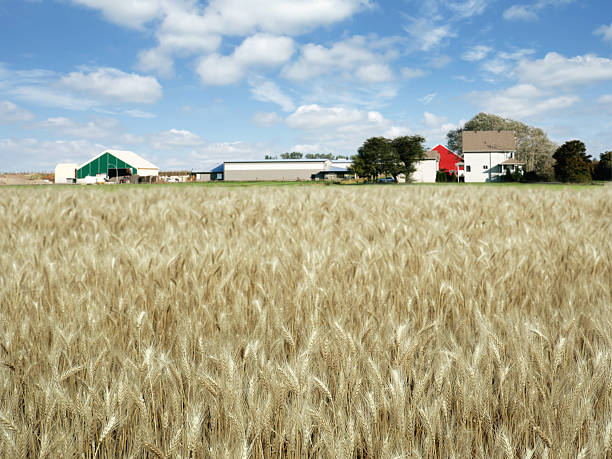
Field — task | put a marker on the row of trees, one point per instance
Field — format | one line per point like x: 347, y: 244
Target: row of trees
x: 298, y: 155
x: 572, y: 164
x: 388, y: 157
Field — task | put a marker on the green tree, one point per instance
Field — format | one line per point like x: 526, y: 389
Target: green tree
x: 532, y: 144
x: 572, y: 164
x: 410, y: 150
x: 292, y: 155
x: 603, y: 168
x: 376, y: 156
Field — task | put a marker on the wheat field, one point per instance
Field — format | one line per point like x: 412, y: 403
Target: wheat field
x: 306, y: 321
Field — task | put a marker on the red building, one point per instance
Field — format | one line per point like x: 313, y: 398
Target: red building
x: 448, y: 159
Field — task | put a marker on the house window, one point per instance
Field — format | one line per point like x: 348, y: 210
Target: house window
x: 468, y: 168
x: 484, y: 167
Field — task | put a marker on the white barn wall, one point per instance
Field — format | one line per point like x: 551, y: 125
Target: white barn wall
x: 425, y: 171
x: 65, y: 173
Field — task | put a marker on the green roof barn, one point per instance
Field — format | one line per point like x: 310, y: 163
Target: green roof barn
x: 115, y: 163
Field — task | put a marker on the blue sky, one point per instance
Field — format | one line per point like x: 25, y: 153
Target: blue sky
x: 189, y: 83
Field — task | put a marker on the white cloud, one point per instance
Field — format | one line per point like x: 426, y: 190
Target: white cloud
x: 521, y: 101
x: 439, y: 62
x: 175, y: 139
x: 266, y: 119
x: 10, y: 112
x: 260, y: 50
x: 140, y: 114
x: 53, y: 97
x: 605, y: 99
x: 520, y: 13
x: 357, y: 56
x: 476, y: 53
x: 427, y: 34
x: 413, y: 73
x: 374, y: 73
x: 468, y: 8
x: 605, y: 31
x: 156, y: 60
x: 555, y: 70
x: 427, y: 99
x: 110, y: 83
x: 133, y: 14
x: 29, y: 150
x: 267, y: 91
x: 185, y: 27
x: 339, y: 129
x: 529, y: 12
x: 100, y: 129
x: 503, y: 63
x: 435, y: 128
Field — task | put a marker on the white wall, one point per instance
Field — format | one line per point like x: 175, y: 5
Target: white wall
x: 275, y: 166
x: 63, y: 172
x: 142, y: 172
x: 425, y: 171
x: 484, y: 167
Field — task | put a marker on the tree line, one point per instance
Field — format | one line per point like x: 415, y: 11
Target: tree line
x: 389, y: 157
x: 299, y: 155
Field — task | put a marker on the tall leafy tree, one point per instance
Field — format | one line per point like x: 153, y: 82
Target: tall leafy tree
x: 603, y: 169
x: 365, y: 163
x: 410, y: 150
x: 533, y: 146
x: 572, y: 164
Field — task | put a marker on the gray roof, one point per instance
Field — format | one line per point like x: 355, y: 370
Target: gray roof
x: 488, y: 141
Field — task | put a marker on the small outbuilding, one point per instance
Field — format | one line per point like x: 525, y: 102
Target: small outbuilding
x: 66, y: 173
x: 117, y: 163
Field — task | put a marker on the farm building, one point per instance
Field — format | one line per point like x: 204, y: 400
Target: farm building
x: 448, y: 159
x: 274, y: 170
x: 65, y: 173
x: 488, y: 154
x: 117, y: 163
x: 425, y: 170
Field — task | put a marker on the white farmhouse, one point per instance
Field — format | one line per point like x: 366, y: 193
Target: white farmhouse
x: 488, y: 154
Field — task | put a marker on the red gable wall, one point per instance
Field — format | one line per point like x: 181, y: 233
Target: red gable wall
x: 448, y: 159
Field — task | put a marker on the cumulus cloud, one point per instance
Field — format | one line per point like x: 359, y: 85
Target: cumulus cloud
x: 605, y: 31
x: 173, y: 139
x: 555, y: 70
x: 111, y: 83
x: 476, y: 53
x: 260, y: 50
x: 339, y: 129
x: 10, y: 112
x: 435, y: 127
x: 357, y: 56
x: 100, y: 129
x: 185, y: 27
x: 265, y: 90
x: 521, y: 101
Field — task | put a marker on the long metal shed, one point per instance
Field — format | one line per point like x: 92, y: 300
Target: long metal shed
x: 115, y: 163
